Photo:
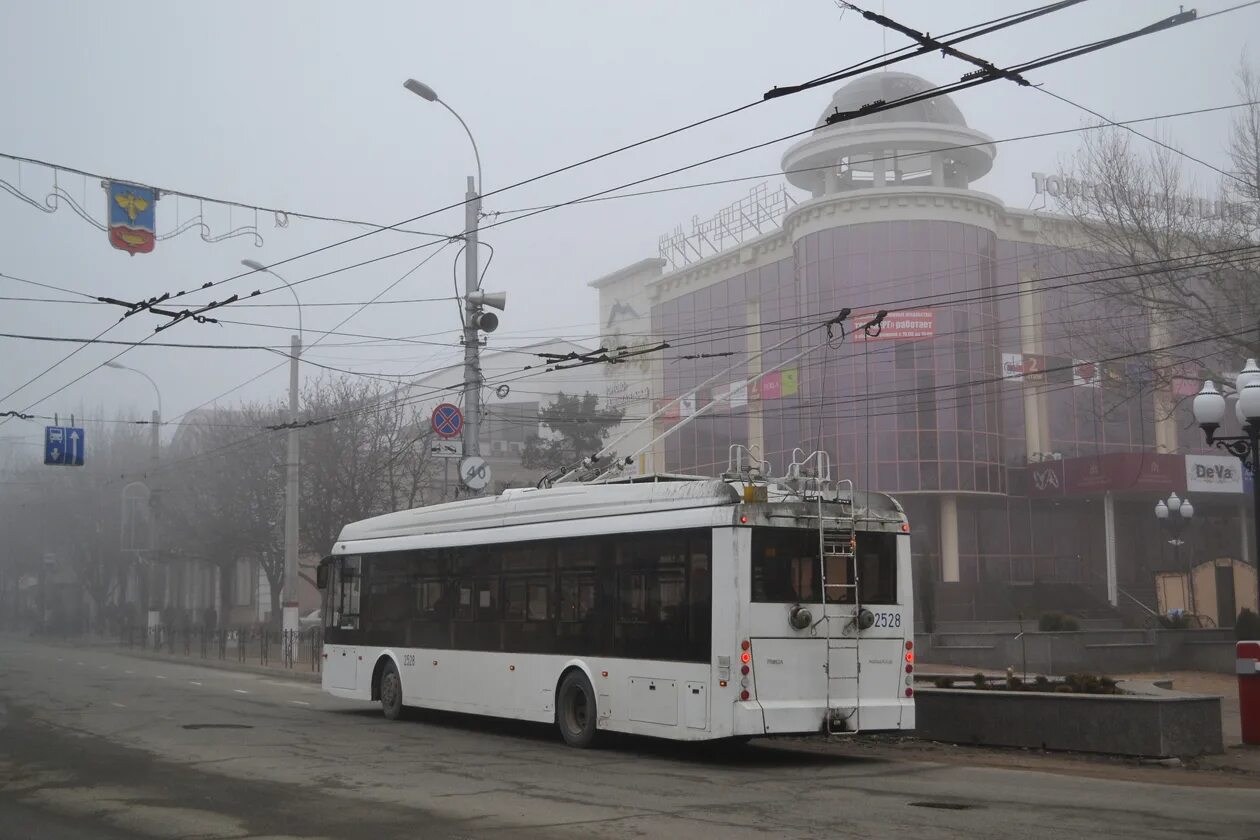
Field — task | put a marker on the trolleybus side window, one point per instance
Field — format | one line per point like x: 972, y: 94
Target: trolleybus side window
x: 349, y: 581
x: 639, y: 595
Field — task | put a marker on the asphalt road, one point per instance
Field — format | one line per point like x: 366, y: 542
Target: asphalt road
x: 98, y: 744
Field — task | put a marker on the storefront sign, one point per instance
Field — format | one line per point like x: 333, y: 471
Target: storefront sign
x: 1184, y: 205
x: 1013, y: 366
x: 897, y: 326
x: 1124, y: 472
x: 1045, y: 479
x: 1213, y: 474
x: 1086, y: 374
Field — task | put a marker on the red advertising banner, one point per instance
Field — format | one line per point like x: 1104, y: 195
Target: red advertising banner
x: 1124, y: 472
x: 907, y: 325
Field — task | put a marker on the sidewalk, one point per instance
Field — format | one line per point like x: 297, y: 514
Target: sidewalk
x: 301, y: 670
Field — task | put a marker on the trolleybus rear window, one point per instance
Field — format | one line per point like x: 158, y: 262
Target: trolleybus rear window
x: 785, y: 568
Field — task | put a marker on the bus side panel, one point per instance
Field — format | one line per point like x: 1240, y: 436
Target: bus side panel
x: 519, y: 685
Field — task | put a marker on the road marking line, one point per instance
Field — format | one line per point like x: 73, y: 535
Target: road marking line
x: 160, y: 677
x: 78, y: 663
x: 194, y: 682
x: 102, y: 667
x: 128, y: 672
x: 240, y: 691
x: 119, y: 705
x: 300, y: 702
x: 59, y: 659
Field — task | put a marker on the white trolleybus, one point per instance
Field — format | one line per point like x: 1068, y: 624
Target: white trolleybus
x: 668, y: 606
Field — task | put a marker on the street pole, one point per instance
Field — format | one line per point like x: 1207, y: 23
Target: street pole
x: 1255, y: 506
x: 290, y: 599
x: 1209, y: 412
x: 472, y: 346
x: 154, y: 617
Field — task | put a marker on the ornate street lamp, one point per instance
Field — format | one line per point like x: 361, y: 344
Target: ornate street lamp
x: 1209, y: 411
x: 1174, y: 515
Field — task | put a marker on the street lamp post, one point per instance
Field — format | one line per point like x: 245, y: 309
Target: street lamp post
x: 474, y: 474
x: 1174, y: 515
x: 153, y: 617
x: 1209, y: 411
x: 292, y: 490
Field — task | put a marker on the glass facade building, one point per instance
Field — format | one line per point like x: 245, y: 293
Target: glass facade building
x: 1022, y: 465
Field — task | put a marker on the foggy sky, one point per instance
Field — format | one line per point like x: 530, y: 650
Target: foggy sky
x: 300, y: 106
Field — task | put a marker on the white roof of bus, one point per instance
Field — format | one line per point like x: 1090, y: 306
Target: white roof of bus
x: 528, y: 505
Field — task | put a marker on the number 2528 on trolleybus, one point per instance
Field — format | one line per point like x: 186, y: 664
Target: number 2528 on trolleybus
x: 675, y: 609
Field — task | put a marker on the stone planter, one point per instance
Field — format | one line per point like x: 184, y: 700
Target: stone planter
x: 1150, y: 722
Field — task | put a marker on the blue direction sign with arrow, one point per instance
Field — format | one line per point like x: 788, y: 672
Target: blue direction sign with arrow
x: 63, y: 446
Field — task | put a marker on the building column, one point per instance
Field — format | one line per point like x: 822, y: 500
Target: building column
x: 938, y: 170
x: 756, y: 427
x: 831, y: 184
x: 949, y: 539
x: 1109, y: 529
x: 1165, y: 423
x: 1245, y: 552
x: 878, y: 168
x: 1036, y: 431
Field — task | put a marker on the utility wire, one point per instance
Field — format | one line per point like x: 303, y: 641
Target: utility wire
x: 855, y: 70
x: 161, y: 191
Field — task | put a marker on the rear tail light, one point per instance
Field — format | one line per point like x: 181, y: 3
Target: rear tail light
x: 909, y: 669
x: 909, y: 692
x: 745, y: 669
x: 909, y: 645
x: 909, y: 656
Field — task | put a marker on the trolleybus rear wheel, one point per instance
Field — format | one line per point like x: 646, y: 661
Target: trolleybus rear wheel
x: 575, y: 710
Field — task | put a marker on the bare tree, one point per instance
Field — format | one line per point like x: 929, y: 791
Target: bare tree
x: 372, y: 459
x: 228, y: 505
x: 1171, y: 265
x: 72, y: 516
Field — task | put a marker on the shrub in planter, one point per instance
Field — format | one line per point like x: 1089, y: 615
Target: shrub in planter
x: 1247, y: 626
x: 1053, y: 622
x: 981, y: 681
x: 943, y: 682
x: 1041, y: 683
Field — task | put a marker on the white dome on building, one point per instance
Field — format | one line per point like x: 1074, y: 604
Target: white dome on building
x: 920, y: 144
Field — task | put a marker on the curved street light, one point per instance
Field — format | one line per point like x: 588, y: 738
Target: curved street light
x: 121, y: 366
x: 427, y: 93
x: 257, y: 266
x: 289, y: 614
x: 474, y: 317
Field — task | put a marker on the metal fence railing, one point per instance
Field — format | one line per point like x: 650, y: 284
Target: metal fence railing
x: 248, y: 644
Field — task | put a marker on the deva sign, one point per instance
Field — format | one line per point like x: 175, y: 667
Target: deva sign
x: 1213, y: 474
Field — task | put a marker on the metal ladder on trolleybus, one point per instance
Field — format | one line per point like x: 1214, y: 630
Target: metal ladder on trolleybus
x: 836, y: 542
